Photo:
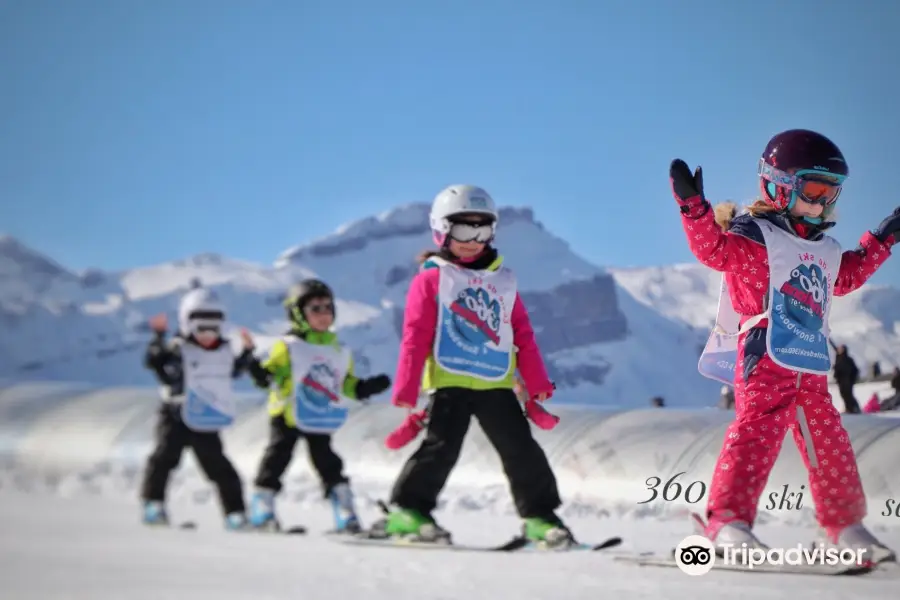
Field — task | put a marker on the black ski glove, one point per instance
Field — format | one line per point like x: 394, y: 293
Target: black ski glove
x: 688, y: 189
x: 372, y: 386
x: 889, y: 227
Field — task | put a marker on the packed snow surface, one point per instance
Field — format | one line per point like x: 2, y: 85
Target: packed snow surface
x: 92, y: 548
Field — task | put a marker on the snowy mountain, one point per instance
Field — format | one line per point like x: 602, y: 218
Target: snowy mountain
x: 610, y: 336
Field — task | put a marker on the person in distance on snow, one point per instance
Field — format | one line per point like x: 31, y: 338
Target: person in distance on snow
x: 311, y: 373
x: 195, y: 369
x: 781, y: 272
x: 466, y: 328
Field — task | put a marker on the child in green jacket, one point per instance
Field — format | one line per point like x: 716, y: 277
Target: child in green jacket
x: 310, y: 374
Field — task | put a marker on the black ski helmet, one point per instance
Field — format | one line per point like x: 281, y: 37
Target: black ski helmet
x: 301, y: 293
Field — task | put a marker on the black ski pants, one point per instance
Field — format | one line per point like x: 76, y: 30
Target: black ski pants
x: 531, y: 480
x: 172, y: 437
x: 280, y: 450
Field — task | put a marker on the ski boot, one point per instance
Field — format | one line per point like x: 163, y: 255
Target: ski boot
x: 262, y: 510
x: 155, y: 514
x: 730, y: 535
x: 856, y: 537
x: 236, y: 521
x: 410, y: 525
x: 547, y: 534
x: 345, y: 519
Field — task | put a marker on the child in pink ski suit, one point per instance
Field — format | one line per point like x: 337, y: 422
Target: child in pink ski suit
x: 781, y: 272
x: 465, y: 326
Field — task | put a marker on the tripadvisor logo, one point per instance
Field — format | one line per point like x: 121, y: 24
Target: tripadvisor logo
x: 696, y: 555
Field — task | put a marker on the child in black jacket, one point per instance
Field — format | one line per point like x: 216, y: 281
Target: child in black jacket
x: 195, y: 369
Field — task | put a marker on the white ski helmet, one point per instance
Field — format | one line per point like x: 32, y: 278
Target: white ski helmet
x: 200, y: 309
x: 460, y: 199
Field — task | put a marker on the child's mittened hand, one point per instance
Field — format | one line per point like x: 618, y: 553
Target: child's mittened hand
x: 890, y: 226
x: 538, y: 415
x: 247, y: 340
x: 159, y: 323
x: 372, y: 386
x: 407, y: 431
x: 687, y: 188
x: 378, y: 384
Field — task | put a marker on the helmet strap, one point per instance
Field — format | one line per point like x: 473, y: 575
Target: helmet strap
x: 299, y: 323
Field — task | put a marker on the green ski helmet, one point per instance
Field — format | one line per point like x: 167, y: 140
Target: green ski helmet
x: 297, y: 297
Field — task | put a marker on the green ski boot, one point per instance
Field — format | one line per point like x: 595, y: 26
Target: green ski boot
x: 546, y: 533
x: 414, y: 526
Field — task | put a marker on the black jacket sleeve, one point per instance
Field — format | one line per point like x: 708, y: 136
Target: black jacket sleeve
x: 261, y: 376
x: 242, y: 363
x: 164, y: 359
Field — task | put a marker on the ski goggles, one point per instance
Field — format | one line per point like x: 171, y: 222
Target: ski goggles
x: 206, y: 315
x: 472, y: 232
x: 810, y: 185
x: 206, y: 329
x: 206, y: 321
x: 320, y: 308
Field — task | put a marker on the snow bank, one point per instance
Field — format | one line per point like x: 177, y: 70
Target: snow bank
x: 602, y: 457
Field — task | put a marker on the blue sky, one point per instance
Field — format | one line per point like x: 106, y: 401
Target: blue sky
x: 140, y: 131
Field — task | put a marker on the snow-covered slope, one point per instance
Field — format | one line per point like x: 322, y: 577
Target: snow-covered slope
x: 89, y: 546
x: 611, y: 336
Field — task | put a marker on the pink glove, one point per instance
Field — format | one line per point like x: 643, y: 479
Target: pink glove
x: 407, y: 431
x: 540, y: 416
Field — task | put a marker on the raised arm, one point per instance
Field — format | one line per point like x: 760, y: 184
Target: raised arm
x: 713, y: 247
x: 858, y: 265
x: 276, y: 368
x: 160, y: 355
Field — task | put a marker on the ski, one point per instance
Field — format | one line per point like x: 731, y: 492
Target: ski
x: 521, y: 544
x: 274, y: 527
x: 277, y: 530
x: 655, y: 560
x: 397, y: 542
x: 183, y: 526
x: 293, y: 530
x: 516, y: 544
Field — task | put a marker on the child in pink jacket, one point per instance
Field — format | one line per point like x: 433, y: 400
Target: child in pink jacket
x: 465, y: 332
x: 781, y: 272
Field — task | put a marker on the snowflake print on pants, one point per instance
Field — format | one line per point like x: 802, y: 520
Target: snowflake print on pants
x: 768, y: 403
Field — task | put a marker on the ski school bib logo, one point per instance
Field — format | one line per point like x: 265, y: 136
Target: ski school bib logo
x: 805, y: 296
x: 319, y: 385
x: 208, y: 407
x: 796, y: 337
x: 476, y: 317
x: 473, y: 328
x: 204, y: 398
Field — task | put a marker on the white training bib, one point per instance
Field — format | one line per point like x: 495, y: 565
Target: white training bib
x: 718, y: 359
x: 801, y: 287
x: 319, y: 373
x: 801, y: 281
x: 474, y: 334
x: 209, y: 402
